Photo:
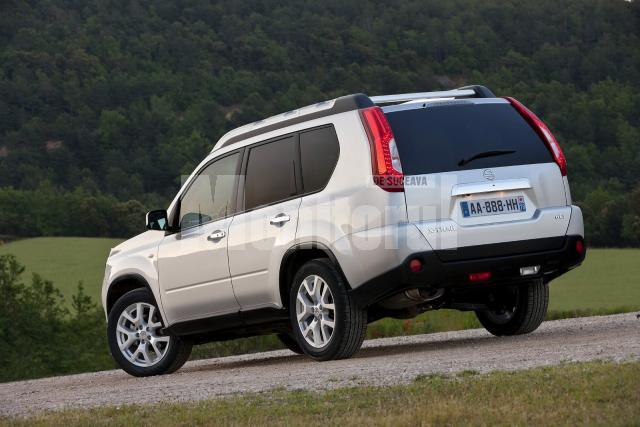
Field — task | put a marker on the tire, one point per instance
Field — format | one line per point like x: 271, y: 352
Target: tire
x: 290, y: 343
x: 525, y: 309
x: 333, y: 305
x: 161, y: 355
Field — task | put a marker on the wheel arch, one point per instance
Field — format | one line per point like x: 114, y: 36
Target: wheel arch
x: 124, y: 284
x: 295, y: 257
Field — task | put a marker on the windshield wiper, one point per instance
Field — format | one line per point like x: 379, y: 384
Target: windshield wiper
x: 484, y: 154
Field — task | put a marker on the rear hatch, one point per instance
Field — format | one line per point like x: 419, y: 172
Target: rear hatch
x: 476, y: 173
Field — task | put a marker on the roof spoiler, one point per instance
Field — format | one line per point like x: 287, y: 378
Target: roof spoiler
x: 475, y: 91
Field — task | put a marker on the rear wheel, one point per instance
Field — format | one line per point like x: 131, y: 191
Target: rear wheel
x: 327, y: 324
x: 136, y: 341
x: 520, y: 310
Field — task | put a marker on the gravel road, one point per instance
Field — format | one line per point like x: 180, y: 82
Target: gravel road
x: 381, y: 362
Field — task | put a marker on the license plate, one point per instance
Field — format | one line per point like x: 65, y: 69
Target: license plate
x: 496, y: 206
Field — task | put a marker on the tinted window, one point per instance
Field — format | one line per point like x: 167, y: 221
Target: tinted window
x: 319, y: 153
x: 211, y: 194
x: 436, y: 139
x: 270, y: 173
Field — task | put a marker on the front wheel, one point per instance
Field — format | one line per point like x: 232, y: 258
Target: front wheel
x: 135, y: 339
x: 520, y: 310
x: 327, y: 324
x: 290, y: 342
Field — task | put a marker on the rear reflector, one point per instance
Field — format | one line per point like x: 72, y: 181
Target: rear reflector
x: 415, y: 265
x: 543, y: 131
x: 531, y: 270
x: 387, y: 170
x: 479, y: 277
x: 579, y: 246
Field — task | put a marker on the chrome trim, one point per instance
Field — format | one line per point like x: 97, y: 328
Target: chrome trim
x: 404, y: 97
x: 490, y: 187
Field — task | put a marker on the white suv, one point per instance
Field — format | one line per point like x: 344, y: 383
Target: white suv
x: 315, y: 222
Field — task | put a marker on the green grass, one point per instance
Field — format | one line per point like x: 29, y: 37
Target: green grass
x: 609, y: 279
x: 65, y: 261
x: 569, y: 394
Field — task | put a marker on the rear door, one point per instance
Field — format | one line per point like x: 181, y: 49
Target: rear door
x: 476, y: 173
x: 259, y: 236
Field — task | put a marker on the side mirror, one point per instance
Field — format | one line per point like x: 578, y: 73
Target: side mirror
x: 157, y: 220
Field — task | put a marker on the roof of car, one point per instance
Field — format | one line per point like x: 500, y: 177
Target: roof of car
x: 340, y: 105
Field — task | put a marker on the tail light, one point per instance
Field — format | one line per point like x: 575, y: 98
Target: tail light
x: 387, y: 170
x: 543, y: 131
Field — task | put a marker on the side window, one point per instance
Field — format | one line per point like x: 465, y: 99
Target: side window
x: 270, y: 173
x: 211, y: 194
x: 319, y: 149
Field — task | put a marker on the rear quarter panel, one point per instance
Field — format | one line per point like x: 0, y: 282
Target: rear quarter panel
x: 352, y: 216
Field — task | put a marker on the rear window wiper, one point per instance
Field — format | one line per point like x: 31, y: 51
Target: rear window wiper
x: 484, y: 154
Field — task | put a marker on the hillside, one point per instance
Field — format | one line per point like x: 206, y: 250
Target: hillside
x: 113, y: 100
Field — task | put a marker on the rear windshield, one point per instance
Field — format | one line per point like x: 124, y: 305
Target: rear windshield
x: 445, y: 138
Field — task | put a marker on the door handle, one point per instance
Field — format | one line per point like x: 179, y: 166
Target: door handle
x: 280, y: 219
x: 216, y: 235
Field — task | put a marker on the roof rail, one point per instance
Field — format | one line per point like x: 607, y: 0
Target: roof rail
x: 475, y: 91
x: 321, y: 109
x: 340, y: 105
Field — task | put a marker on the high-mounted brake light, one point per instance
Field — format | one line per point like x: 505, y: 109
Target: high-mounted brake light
x: 543, y: 131
x: 387, y: 170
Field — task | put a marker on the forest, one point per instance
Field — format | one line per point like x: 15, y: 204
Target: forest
x: 105, y: 104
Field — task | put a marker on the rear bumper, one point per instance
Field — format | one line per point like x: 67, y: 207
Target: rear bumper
x: 451, y: 268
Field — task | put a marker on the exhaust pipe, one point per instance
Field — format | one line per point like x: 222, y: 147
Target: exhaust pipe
x: 411, y: 298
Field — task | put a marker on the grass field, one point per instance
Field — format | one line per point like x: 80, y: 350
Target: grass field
x: 65, y: 261
x: 608, y: 279
x: 569, y: 394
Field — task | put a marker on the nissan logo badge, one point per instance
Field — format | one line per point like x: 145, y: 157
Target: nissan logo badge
x: 488, y: 174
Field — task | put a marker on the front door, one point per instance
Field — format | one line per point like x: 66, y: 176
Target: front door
x: 193, y: 265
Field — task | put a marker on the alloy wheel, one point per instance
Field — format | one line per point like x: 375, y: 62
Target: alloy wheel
x: 138, y: 335
x: 315, y: 311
